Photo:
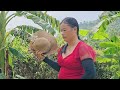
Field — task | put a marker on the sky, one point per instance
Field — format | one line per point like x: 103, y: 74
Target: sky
x: 81, y: 16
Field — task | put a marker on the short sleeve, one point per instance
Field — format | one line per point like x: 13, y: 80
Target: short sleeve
x: 85, y: 51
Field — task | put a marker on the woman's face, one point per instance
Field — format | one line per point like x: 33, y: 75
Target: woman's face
x: 67, y: 32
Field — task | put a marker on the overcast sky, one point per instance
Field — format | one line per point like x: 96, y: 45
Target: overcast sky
x: 79, y: 15
x: 59, y: 15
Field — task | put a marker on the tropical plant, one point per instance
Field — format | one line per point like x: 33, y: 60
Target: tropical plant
x: 47, y: 23
x: 109, y: 45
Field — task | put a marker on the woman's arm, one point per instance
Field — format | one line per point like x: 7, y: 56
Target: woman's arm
x: 89, y: 67
x: 52, y: 63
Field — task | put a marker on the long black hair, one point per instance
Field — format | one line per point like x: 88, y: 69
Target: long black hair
x: 72, y: 22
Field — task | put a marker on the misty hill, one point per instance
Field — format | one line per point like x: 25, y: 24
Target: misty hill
x: 88, y: 24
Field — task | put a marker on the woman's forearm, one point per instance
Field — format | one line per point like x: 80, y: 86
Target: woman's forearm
x: 89, y: 67
x: 52, y: 63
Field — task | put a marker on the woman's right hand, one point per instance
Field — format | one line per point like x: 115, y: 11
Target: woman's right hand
x: 39, y: 55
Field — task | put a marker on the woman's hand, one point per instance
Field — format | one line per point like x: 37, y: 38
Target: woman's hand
x: 39, y: 55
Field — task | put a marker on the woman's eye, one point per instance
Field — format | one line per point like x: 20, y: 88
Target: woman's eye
x: 63, y: 30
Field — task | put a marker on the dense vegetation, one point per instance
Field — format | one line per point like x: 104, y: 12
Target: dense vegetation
x: 17, y: 62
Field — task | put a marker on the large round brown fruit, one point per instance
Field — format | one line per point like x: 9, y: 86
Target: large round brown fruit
x: 40, y: 44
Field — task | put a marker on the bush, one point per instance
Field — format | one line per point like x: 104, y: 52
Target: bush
x: 34, y: 70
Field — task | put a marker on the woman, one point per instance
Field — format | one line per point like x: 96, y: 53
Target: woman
x: 75, y: 60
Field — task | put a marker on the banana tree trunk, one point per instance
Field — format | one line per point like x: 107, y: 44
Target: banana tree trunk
x: 2, y: 54
x: 2, y: 41
x: 4, y: 20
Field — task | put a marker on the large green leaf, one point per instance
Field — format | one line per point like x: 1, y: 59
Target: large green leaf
x: 106, y: 20
x: 111, y: 50
x: 103, y: 60
x: 19, y: 13
x: 107, y: 44
x: 115, y: 39
x: 83, y: 32
x: 16, y: 53
x: 100, y: 36
x: 103, y: 26
x: 109, y: 56
x: 53, y: 22
x: 43, y: 20
x: 10, y: 61
x: 43, y: 24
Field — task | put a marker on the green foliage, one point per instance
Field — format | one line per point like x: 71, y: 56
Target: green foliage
x: 2, y: 76
x: 33, y: 70
x: 114, y: 28
x: 100, y: 36
x: 27, y: 67
x: 4, y: 20
x: 107, y: 44
x: 47, y: 22
x: 83, y: 32
x: 108, y: 63
x: 16, y: 53
x: 19, y: 77
x: 60, y: 40
x: 102, y: 72
x: 18, y: 45
x: 105, y: 40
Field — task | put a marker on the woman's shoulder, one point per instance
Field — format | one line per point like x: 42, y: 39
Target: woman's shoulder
x: 85, y: 48
x: 83, y: 44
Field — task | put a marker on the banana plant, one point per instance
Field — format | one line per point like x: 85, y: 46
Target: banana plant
x: 110, y: 45
x: 47, y: 23
x: 100, y: 29
x: 4, y: 20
